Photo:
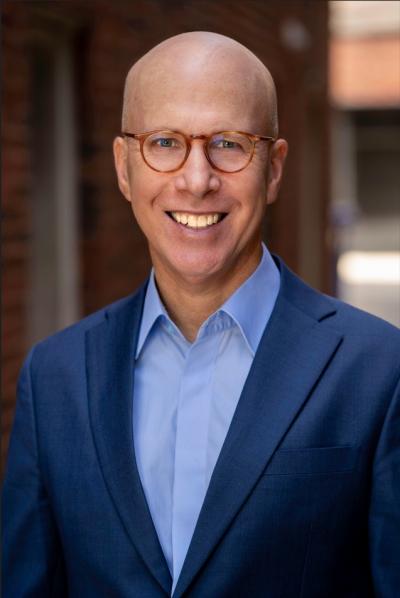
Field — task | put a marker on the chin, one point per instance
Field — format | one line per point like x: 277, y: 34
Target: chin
x: 197, y: 272
x: 195, y: 267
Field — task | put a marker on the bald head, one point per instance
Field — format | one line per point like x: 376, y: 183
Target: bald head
x: 199, y: 63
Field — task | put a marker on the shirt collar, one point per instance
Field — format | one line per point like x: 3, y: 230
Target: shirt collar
x: 153, y: 310
x: 252, y: 303
x: 250, y: 306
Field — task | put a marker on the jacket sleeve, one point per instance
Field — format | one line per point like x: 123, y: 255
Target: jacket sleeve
x: 384, y: 521
x: 32, y: 556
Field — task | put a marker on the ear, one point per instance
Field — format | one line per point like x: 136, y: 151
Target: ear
x: 277, y: 159
x: 121, y: 166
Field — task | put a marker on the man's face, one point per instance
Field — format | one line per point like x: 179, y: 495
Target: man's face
x: 198, y: 104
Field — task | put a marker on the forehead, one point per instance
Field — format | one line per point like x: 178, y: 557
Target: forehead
x: 198, y: 93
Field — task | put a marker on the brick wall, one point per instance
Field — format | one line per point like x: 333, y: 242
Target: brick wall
x: 16, y: 177
x: 290, y: 36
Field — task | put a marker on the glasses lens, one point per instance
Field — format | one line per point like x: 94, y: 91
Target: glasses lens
x: 164, y: 150
x: 230, y: 151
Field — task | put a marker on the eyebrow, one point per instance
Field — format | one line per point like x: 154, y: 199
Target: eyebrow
x: 216, y: 129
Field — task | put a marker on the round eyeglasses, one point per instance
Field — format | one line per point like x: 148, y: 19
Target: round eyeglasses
x: 226, y: 151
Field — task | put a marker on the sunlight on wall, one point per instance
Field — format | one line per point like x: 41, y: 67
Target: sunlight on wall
x: 370, y: 267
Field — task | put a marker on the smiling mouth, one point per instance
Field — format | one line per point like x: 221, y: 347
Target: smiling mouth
x: 197, y: 220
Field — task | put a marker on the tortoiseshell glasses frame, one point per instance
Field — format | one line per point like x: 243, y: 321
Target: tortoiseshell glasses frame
x: 253, y: 139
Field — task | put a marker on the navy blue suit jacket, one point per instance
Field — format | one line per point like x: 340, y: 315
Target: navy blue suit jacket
x: 305, y: 497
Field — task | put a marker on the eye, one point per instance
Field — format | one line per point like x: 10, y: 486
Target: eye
x: 230, y: 144
x: 166, y: 142
x: 226, y: 144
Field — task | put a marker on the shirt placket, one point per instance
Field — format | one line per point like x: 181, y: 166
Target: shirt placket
x: 191, y: 445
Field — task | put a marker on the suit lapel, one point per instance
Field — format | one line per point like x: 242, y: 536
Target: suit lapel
x: 110, y: 350
x: 292, y: 355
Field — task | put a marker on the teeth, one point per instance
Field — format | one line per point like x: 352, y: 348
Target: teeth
x: 192, y: 221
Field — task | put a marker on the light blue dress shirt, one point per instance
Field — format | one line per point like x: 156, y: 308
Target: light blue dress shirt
x: 185, y: 395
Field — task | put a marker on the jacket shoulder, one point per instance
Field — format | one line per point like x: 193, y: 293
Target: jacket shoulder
x: 333, y: 312
x: 72, y: 337
x: 353, y: 318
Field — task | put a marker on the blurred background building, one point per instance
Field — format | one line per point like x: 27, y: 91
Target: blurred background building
x: 365, y: 97
x: 70, y: 244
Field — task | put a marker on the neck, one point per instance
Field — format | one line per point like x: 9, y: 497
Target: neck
x: 189, y: 303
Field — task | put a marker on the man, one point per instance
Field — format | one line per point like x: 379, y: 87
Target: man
x: 227, y: 431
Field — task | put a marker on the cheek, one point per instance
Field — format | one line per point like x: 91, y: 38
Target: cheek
x: 142, y: 189
x: 251, y: 192
x: 137, y: 180
x: 140, y: 198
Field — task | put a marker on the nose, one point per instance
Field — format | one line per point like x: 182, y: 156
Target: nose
x: 197, y: 176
